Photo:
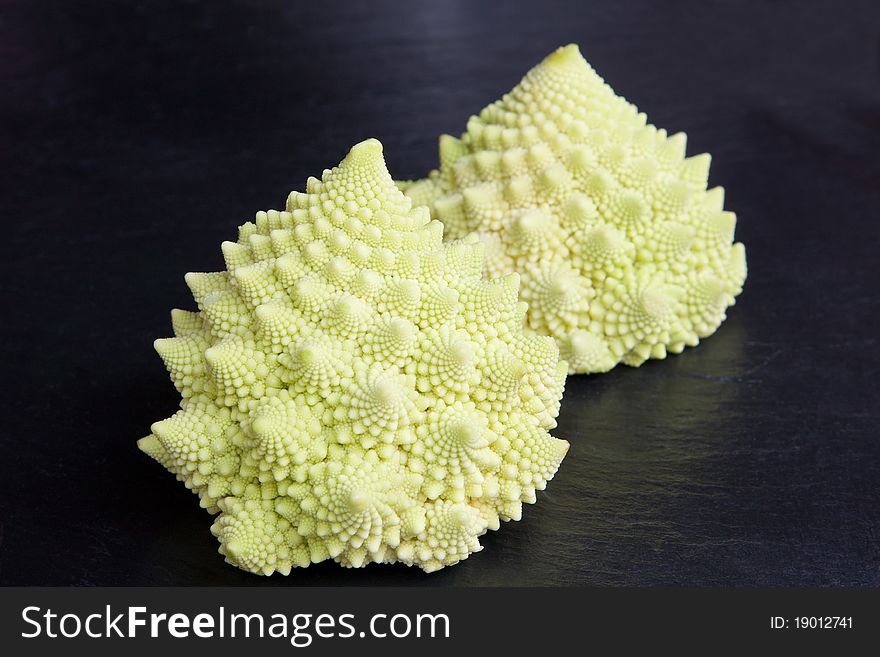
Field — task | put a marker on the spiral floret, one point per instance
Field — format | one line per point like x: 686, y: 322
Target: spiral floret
x: 353, y: 388
x: 624, y: 253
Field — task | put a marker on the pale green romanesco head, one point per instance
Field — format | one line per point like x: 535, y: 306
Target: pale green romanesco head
x: 354, y: 389
x: 624, y: 254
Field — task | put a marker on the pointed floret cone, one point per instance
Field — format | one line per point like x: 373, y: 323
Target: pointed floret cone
x: 619, y: 203
x: 326, y: 365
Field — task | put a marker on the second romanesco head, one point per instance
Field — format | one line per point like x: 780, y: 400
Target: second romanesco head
x: 624, y: 254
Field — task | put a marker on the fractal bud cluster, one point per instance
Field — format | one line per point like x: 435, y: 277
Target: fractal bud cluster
x: 353, y: 387
x: 623, y: 252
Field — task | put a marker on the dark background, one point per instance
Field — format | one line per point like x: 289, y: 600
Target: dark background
x: 135, y: 137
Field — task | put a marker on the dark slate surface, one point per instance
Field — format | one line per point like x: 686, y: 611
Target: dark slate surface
x: 137, y: 136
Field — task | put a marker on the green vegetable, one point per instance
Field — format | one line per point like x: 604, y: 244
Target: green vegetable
x: 353, y: 389
x: 624, y: 254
